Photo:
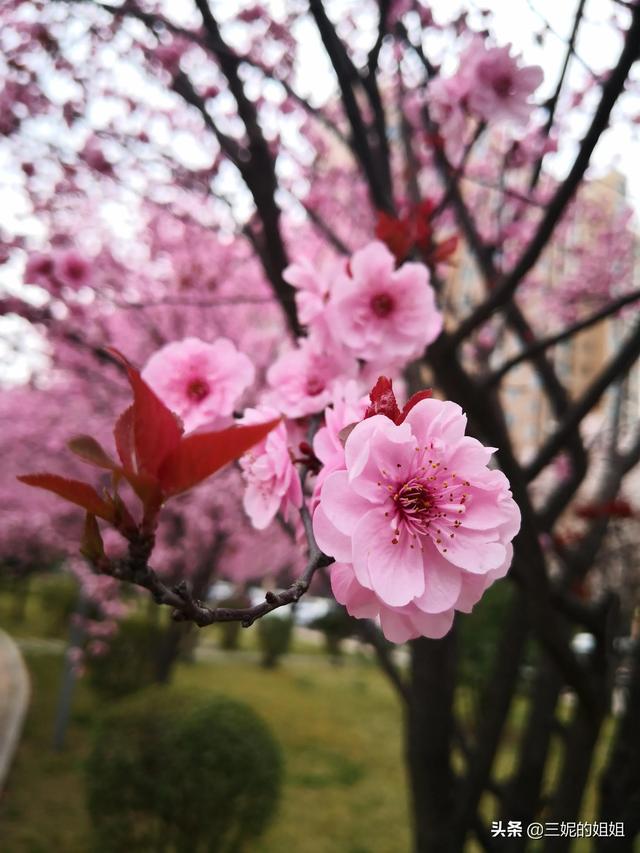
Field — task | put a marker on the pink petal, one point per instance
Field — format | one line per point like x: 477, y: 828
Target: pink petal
x: 433, y: 625
x: 394, y: 572
x: 397, y: 626
x: 342, y: 506
x: 443, y: 582
x: 330, y: 540
x: 359, y: 601
x: 471, y: 551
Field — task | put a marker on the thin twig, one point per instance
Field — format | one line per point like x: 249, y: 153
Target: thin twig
x: 545, y: 343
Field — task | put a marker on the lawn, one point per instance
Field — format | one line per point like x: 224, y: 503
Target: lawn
x: 340, y: 728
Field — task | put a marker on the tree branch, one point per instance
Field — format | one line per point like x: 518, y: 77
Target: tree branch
x: 611, y: 90
x: 136, y: 570
x: 551, y: 340
x: 622, y: 361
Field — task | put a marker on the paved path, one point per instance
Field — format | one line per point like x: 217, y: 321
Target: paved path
x: 14, y: 700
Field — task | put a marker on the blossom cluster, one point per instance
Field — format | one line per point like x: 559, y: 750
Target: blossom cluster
x: 363, y: 316
x: 489, y: 85
x: 402, y: 500
x: 417, y: 522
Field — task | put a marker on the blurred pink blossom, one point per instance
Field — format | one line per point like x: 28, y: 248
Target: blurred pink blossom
x: 303, y: 379
x: 272, y: 481
x: 498, y: 87
x: 199, y: 381
x: 72, y: 269
x: 383, y: 314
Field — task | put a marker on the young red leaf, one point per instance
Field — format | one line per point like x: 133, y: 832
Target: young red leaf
x: 383, y: 400
x: 92, y: 546
x: 123, y: 434
x: 88, y: 449
x: 156, y: 429
x: 203, y: 453
x: 419, y: 395
x: 445, y: 249
x: 74, y: 491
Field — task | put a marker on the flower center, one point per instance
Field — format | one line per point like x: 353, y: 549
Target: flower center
x: 414, y: 498
x: 382, y: 305
x: 197, y: 390
x: 75, y: 270
x: 315, y: 386
x: 430, y: 502
x: 502, y: 85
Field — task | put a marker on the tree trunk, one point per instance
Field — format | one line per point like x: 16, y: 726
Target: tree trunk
x: 429, y: 735
x: 620, y: 784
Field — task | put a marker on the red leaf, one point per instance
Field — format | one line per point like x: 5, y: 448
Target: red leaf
x: 203, y: 453
x: 123, y: 434
x: 419, y: 395
x: 88, y: 449
x: 156, y: 429
x: 74, y: 491
x: 383, y: 400
x: 445, y: 249
x: 395, y: 233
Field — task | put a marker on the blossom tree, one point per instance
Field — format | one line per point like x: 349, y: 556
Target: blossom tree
x: 327, y: 241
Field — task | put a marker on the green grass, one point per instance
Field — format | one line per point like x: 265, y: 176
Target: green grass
x: 340, y: 728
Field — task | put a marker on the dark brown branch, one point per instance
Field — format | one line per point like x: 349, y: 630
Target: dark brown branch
x: 622, y: 361
x: 136, y: 570
x: 258, y: 171
x: 552, y: 104
x: 347, y: 74
x: 545, y: 343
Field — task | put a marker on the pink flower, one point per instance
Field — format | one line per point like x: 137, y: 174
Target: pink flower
x: 303, y: 379
x: 348, y: 408
x: 273, y: 483
x: 417, y: 522
x: 382, y: 314
x: 498, y: 88
x: 445, y: 98
x: 39, y: 269
x: 94, y: 158
x: 312, y: 289
x: 199, y: 381
x: 72, y: 269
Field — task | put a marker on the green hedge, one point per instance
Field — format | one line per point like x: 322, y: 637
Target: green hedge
x: 130, y: 663
x: 181, y: 772
x: 274, y: 638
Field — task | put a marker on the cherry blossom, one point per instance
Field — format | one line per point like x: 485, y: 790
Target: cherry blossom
x: 348, y: 407
x: 199, y: 381
x: 498, y: 88
x: 39, y: 269
x: 72, y: 269
x: 382, y: 314
x: 302, y: 380
x: 272, y: 481
x: 417, y: 522
x: 312, y: 289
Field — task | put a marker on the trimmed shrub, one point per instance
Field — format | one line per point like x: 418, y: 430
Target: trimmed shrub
x: 131, y: 660
x: 181, y: 772
x: 336, y: 625
x: 60, y: 597
x: 274, y: 638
